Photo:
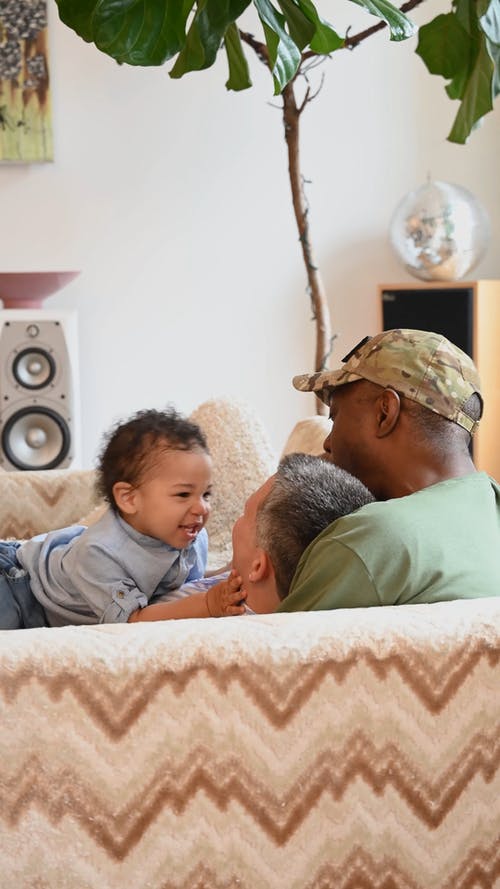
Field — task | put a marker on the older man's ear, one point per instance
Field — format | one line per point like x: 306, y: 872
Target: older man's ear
x: 260, y: 584
x: 261, y: 568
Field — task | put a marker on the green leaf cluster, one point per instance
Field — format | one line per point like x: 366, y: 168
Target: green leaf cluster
x: 151, y: 32
x: 463, y: 46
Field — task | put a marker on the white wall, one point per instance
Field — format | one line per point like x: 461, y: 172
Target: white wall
x: 172, y: 197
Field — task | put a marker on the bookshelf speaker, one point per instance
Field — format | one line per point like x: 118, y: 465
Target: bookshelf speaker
x: 39, y: 426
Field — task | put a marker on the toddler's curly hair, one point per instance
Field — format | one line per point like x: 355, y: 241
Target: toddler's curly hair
x: 130, y: 448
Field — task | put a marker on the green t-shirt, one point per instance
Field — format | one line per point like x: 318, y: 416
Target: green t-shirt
x: 440, y: 543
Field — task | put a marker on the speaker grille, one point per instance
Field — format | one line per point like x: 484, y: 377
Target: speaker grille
x: 36, y: 438
x: 38, y: 411
x: 441, y: 310
x: 34, y: 368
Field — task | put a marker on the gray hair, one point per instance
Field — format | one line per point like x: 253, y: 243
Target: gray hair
x: 307, y: 495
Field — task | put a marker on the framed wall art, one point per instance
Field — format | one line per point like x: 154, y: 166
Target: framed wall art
x: 25, y: 111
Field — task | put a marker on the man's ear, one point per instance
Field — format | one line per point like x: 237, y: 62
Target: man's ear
x: 261, y: 567
x: 388, y: 411
x: 125, y: 497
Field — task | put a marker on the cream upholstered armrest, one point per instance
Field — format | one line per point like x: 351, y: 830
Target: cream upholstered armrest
x: 33, y: 502
x: 325, y: 750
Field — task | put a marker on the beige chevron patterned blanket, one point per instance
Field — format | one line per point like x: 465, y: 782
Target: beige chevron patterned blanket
x: 339, y: 750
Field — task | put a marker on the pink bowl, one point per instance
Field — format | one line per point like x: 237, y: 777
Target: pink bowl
x: 27, y: 290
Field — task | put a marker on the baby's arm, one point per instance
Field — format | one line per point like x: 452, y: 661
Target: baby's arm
x: 220, y: 600
x: 226, y: 597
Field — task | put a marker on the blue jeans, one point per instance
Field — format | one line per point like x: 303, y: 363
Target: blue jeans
x: 18, y: 607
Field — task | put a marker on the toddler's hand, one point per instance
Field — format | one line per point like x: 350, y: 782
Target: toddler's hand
x: 225, y: 598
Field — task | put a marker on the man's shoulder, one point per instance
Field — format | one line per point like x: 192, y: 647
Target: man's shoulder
x: 372, y: 517
x: 404, y: 518
x: 420, y: 547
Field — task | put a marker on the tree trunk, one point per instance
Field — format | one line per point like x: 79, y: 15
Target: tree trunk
x: 321, y: 314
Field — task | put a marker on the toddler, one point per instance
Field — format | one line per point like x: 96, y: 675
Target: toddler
x: 155, y: 472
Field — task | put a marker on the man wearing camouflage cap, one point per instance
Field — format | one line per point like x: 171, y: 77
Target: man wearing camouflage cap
x: 404, y: 407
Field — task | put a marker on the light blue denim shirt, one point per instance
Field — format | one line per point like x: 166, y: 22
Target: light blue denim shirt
x: 103, y: 573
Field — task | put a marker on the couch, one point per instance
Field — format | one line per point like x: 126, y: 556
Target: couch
x: 330, y: 750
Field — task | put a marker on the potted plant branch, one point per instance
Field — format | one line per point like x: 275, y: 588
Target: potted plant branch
x: 462, y: 45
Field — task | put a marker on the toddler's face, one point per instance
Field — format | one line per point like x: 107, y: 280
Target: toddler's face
x: 172, y: 501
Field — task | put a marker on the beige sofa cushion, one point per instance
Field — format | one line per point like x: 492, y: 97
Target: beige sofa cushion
x: 307, y: 436
x: 242, y: 460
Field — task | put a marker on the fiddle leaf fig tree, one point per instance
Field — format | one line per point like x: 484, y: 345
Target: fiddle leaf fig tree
x: 462, y: 46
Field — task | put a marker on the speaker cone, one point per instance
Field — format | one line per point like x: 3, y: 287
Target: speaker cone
x: 34, y: 368
x: 36, y: 438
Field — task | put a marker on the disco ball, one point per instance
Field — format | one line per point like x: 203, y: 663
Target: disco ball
x: 439, y: 231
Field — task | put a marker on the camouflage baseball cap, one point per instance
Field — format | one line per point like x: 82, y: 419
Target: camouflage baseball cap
x: 423, y: 366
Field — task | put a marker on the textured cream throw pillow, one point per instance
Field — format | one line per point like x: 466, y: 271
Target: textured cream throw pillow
x: 34, y: 502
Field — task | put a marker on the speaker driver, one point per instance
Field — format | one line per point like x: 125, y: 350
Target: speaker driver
x: 34, y: 368
x: 36, y: 438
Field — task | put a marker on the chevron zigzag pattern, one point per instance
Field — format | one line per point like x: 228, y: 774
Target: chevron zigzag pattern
x: 340, y: 750
x: 34, y: 502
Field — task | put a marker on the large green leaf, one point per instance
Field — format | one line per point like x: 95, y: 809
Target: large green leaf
x: 446, y: 48
x: 399, y: 25
x: 457, y: 47
x: 477, y: 98
x: 139, y: 32
x: 284, y: 55
x: 325, y: 39
x: 205, y: 35
x: 456, y: 88
x: 463, y: 46
x: 466, y: 14
x: 300, y: 27
x: 239, y: 75
x: 443, y: 45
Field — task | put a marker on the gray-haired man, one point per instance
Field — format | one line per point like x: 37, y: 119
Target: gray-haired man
x: 282, y: 518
